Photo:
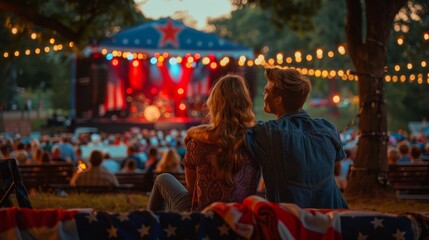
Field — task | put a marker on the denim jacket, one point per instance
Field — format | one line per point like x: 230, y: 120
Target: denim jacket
x: 297, y: 155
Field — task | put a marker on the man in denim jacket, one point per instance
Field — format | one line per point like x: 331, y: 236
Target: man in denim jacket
x: 297, y: 153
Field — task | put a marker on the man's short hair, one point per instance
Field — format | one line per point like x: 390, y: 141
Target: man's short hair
x: 291, y: 85
x: 415, y: 152
x: 95, y: 158
x: 403, y: 147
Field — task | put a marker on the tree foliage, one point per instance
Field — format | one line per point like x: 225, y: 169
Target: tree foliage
x: 78, y: 21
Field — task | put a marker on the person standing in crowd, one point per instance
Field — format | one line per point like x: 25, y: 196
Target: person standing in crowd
x: 217, y: 165
x: 96, y: 175
x: 297, y: 153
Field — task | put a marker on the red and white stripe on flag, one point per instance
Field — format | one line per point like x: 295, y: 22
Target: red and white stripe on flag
x: 115, y: 99
x: 38, y: 224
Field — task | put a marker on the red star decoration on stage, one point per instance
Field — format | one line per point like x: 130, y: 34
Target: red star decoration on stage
x: 169, y: 34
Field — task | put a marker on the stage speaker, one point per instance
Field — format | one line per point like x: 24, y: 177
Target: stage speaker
x: 90, y: 88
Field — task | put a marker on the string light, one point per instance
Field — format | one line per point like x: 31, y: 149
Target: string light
x: 341, y: 50
x: 400, y: 40
x: 319, y: 53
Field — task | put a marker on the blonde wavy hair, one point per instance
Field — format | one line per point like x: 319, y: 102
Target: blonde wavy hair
x: 230, y: 114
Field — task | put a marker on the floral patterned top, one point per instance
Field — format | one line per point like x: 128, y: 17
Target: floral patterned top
x: 208, y: 187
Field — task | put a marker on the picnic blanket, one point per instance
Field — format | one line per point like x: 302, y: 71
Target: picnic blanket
x: 254, y: 218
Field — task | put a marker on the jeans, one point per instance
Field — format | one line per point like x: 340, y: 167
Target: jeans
x: 169, y: 194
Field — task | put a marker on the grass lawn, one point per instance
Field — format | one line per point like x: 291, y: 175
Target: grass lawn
x: 129, y: 202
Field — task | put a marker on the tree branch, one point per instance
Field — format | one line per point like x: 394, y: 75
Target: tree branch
x: 32, y: 16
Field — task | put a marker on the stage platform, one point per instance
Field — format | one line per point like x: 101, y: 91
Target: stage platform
x: 121, y: 125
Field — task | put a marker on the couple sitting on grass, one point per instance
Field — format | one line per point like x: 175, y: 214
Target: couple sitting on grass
x: 224, y: 158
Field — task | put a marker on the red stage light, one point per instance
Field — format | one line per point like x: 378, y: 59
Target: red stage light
x: 133, y: 109
x: 135, y: 63
x: 180, y: 91
x: 182, y: 106
x: 153, y: 91
x: 115, y: 62
x: 213, y: 65
x: 96, y: 55
x: 129, y: 90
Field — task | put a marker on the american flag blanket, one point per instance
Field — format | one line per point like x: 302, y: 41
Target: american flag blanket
x: 254, y: 218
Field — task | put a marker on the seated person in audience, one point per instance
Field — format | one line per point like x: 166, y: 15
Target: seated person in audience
x: 20, y: 154
x: 96, y: 175
x: 340, y: 180
x: 132, y: 153
x: 37, y: 156
x: 217, y: 165
x: 181, y: 150
x: 66, y: 150
x: 297, y: 153
x: 392, y: 156
x: 45, y: 157
x: 56, y: 155
x: 403, y: 150
x: 170, y: 162
x: 425, y: 154
x: 150, y: 167
x: 130, y: 167
x: 110, y: 164
x: 345, y: 164
x: 415, y: 154
x: 152, y: 161
x: 5, y: 150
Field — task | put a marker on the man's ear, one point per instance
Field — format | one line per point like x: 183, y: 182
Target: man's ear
x: 279, y: 100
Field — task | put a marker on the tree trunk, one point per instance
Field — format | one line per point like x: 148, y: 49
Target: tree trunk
x: 368, y: 53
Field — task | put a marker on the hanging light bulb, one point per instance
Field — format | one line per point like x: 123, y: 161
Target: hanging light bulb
x: 400, y: 40
x: 341, y: 50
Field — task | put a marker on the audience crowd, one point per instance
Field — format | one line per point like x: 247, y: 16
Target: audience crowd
x: 162, y: 151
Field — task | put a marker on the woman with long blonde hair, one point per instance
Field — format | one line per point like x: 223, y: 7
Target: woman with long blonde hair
x: 217, y: 165
x: 170, y: 162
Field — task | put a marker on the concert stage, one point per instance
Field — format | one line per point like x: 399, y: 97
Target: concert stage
x: 121, y: 125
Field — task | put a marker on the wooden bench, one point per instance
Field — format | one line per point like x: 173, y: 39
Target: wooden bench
x: 411, y: 181
x: 141, y: 182
x: 42, y: 176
